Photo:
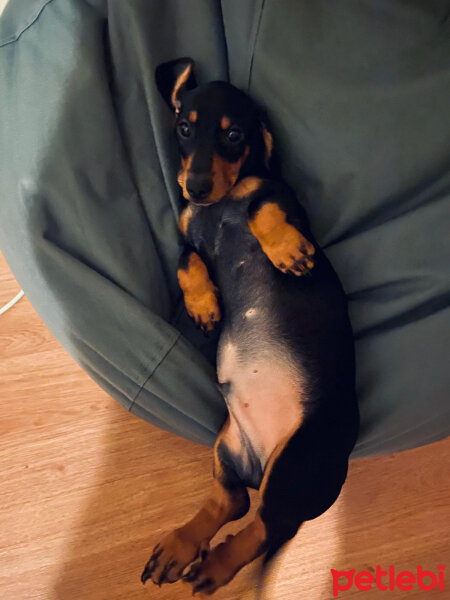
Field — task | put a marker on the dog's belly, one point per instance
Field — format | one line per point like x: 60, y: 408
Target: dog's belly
x: 263, y: 390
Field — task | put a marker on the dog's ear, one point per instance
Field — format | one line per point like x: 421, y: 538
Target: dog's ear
x: 268, y: 143
x: 173, y: 78
x: 266, y: 135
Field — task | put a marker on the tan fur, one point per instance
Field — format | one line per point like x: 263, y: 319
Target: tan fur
x: 200, y: 294
x: 225, y: 174
x: 183, y: 174
x: 282, y: 243
x: 268, y: 143
x: 230, y: 435
x: 184, y: 544
x: 229, y: 557
x: 270, y: 463
x: 185, y: 218
x: 225, y: 122
x: 179, y: 83
x: 245, y: 187
x: 193, y: 116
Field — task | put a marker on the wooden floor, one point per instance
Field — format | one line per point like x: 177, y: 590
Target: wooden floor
x: 86, y: 490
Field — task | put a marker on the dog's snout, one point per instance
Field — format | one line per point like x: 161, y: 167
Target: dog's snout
x: 199, y: 186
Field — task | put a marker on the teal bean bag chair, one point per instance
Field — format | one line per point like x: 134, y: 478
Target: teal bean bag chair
x: 358, y: 93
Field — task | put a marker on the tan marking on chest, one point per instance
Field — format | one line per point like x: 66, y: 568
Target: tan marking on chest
x: 245, y: 187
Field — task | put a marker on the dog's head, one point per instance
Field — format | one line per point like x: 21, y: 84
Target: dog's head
x: 219, y: 130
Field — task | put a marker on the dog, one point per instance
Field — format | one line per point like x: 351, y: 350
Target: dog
x: 285, y: 360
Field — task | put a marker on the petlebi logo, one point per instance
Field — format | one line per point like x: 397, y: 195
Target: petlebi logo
x: 388, y: 580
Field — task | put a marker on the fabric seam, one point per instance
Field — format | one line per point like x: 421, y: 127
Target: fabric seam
x: 152, y: 371
x: 225, y: 40
x: 16, y: 36
x: 253, y: 48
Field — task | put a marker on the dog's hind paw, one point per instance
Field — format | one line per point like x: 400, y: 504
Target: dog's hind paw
x: 171, y: 557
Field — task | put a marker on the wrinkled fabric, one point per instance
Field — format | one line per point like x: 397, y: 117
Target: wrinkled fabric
x: 357, y: 94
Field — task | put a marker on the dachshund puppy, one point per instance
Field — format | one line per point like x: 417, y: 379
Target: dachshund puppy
x: 285, y: 362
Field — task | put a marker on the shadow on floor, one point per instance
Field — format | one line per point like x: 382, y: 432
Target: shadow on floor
x: 148, y: 483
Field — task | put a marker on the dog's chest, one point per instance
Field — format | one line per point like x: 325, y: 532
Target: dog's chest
x: 221, y: 231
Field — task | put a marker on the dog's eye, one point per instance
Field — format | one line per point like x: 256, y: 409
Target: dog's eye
x: 234, y: 135
x: 183, y: 129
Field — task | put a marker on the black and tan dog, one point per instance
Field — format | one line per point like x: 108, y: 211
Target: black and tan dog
x: 285, y: 357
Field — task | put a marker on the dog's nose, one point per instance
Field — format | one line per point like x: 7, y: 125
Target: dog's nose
x: 199, y: 186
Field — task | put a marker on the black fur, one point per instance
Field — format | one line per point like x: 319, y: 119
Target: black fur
x: 307, y: 314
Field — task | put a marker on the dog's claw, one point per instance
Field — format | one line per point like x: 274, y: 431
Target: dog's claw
x: 192, y: 573
x: 163, y: 577
x: 204, y: 584
x: 146, y: 574
x: 151, y: 565
x: 203, y: 555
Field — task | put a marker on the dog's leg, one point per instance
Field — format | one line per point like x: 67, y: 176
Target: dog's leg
x: 283, y: 244
x: 228, y: 558
x: 200, y: 294
x: 229, y: 501
x: 300, y: 482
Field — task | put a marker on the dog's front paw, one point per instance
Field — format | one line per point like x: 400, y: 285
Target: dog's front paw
x: 200, y: 294
x: 284, y: 245
x: 204, y: 309
x: 170, y: 557
x: 297, y: 260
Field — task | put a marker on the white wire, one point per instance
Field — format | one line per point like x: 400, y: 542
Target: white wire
x: 11, y: 303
